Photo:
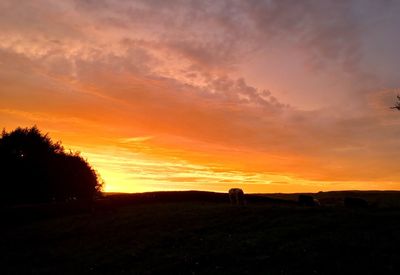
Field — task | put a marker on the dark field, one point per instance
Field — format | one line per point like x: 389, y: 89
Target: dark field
x: 201, y: 233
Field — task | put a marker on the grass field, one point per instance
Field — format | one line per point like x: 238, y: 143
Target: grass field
x: 146, y: 234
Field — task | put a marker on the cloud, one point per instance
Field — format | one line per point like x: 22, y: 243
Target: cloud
x: 136, y: 139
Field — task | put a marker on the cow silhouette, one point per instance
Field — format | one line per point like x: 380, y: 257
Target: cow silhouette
x: 236, y: 196
x: 351, y: 202
x: 306, y: 200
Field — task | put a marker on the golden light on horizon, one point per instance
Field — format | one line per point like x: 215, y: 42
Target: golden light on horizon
x: 130, y: 171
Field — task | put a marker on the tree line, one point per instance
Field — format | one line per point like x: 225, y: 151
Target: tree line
x: 34, y: 169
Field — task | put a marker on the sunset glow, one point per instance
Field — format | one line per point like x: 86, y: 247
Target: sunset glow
x: 269, y: 96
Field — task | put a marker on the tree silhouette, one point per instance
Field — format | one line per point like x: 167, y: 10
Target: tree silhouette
x: 35, y: 169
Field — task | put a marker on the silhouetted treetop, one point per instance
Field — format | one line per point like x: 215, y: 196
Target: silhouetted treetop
x: 27, y: 143
x: 33, y: 168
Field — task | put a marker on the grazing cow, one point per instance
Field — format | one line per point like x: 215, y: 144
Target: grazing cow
x: 355, y: 202
x: 236, y: 196
x: 306, y: 200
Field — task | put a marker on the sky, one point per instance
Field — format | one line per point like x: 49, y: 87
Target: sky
x: 268, y: 96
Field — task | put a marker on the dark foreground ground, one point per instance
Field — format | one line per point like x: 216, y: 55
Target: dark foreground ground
x: 200, y: 233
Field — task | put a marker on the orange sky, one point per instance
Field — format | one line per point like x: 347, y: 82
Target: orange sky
x: 270, y: 96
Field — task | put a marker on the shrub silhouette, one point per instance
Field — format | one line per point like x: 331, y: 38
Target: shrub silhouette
x: 35, y: 169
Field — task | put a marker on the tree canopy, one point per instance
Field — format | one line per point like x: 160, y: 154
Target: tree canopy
x: 33, y: 168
